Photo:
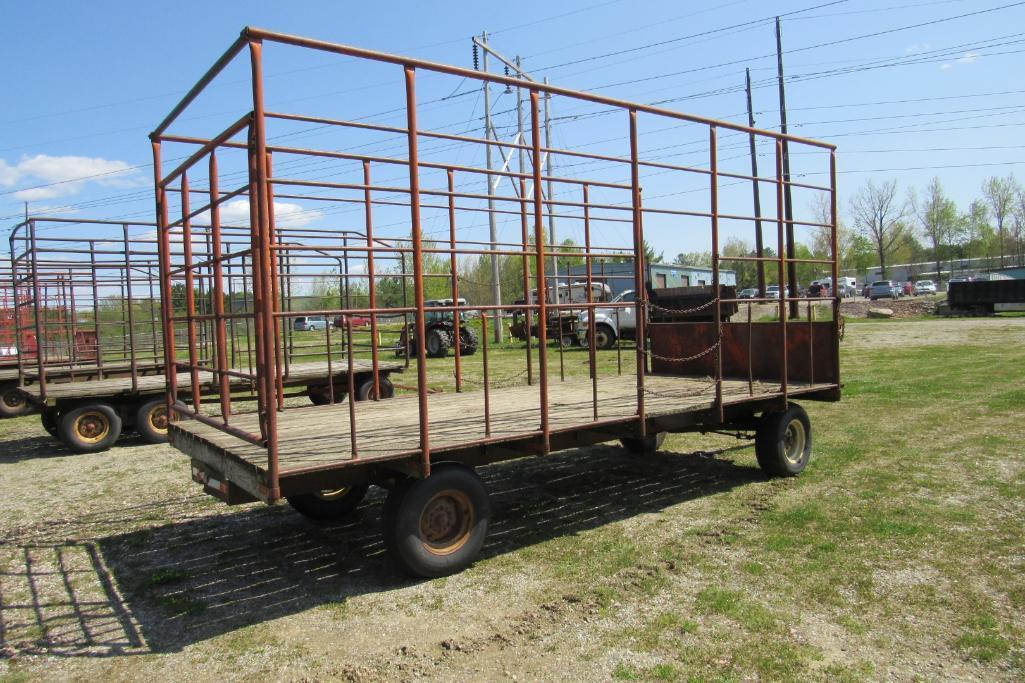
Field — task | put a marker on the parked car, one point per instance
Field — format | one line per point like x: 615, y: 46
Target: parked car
x: 772, y: 291
x: 309, y: 323
x: 925, y: 287
x: 908, y: 288
x: 749, y: 293
x: 357, y: 321
x: 884, y: 289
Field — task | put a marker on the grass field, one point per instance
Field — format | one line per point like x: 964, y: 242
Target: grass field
x: 897, y: 554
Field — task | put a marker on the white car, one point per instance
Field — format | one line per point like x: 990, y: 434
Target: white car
x: 610, y: 323
x: 925, y: 287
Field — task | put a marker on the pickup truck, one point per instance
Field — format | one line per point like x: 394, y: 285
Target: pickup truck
x: 610, y: 323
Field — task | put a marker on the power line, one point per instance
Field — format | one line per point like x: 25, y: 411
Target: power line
x: 840, y: 41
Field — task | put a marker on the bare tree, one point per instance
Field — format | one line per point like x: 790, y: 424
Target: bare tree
x: 1000, y: 193
x: 877, y: 214
x: 822, y: 238
x: 939, y: 220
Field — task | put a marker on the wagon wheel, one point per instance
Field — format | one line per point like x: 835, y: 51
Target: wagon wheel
x: 783, y: 441
x: 436, y: 526
x: 13, y: 402
x: 151, y: 420
x: 90, y: 428
x: 329, y: 504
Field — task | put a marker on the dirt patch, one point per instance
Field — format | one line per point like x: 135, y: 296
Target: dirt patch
x: 911, y: 307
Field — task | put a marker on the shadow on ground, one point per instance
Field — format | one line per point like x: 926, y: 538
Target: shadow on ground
x: 162, y: 588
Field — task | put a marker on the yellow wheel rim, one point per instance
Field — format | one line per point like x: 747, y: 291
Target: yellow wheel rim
x: 92, y: 426
x: 158, y: 419
x: 332, y: 494
x: 446, y: 521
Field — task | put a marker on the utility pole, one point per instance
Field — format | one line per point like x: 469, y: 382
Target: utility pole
x: 759, y: 247
x: 788, y: 204
x: 546, y: 159
x: 496, y: 278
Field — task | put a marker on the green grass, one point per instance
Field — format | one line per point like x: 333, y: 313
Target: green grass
x: 901, y: 537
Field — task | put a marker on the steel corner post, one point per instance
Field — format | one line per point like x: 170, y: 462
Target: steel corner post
x: 263, y: 265
x: 542, y: 287
x: 713, y: 178
x: 640, y: 292
x: 418, y: 274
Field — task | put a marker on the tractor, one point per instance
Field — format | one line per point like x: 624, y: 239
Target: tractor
x: 439, y: 331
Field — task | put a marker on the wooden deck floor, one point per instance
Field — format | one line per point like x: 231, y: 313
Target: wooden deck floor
x: 299, y: 373
x: 320, y: 435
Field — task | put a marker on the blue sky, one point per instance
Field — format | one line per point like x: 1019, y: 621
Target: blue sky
x: 85, y: 82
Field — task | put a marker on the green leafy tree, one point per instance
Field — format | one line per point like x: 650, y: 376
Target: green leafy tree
x: 938, y: 220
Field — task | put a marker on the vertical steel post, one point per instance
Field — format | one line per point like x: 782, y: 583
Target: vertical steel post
x: 455, y: 277
x: 487, y: 389
x: 640, y: 293
x: 835, y: 245
x: 190, y: 292
x: 223, y: 363
x: 372, y: 289
x: 780, y: 230
x: 528, y: 310
x: 542, y: 287
x: 591, y: 310
x: 418, y: 283
x: 713, y: 176
x: 39, y: 309
x: 94, y: 277
x: 164, y: 257
x: 131, y: 315
x: 263, y: 265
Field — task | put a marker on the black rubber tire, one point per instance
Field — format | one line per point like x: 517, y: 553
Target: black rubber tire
x: 50, y: 419
x: 604, y: 337
x: 329, y: 505
x: 783, y: 442
x: 149, y: 418
x: 453, y: 494
x: 13, y: 401
x: 365, y: 390
x: 99, y: 419
x: 319, y: 396
x: 649, y: 444
x: 468, y: 342
x: 568, y: 341
x: 438, y: 343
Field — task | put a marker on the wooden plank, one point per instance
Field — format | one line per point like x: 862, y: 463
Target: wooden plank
x: 299, y: 373
x: 318, y: 436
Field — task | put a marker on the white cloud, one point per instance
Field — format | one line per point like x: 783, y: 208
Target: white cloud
x: 968, y: 58
x: 945, y: 66
x: 63, y: 175
x: 286, y: 214
x: 916, y: 48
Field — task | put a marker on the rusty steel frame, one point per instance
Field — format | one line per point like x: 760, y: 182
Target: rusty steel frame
x: 269, y: 248
x: 62, y: 280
